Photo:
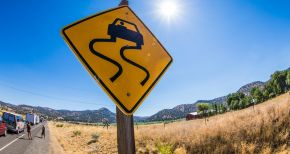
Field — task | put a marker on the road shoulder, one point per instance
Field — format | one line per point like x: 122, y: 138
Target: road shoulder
x: 54, y: 145
x: 44, y: 145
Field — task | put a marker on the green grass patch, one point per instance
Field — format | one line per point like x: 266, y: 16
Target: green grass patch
x: 76, y: 133
x: 165, y: 148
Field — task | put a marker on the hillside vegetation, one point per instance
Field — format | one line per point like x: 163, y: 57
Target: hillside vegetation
x: 264, y: 129
x: 278, y: 84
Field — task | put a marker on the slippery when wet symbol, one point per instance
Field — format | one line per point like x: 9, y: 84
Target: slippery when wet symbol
x: 115, y: 31
x: 120, y: 53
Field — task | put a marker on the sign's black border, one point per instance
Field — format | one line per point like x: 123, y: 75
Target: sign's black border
x: 92, y: 71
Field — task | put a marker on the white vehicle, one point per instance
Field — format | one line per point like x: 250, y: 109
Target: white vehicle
x: 32, y: 118
x: 14, y: 122
x: 37, y: 119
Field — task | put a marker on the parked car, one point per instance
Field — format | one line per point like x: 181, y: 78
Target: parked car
x: 14, y: 122
x: 3, y: 128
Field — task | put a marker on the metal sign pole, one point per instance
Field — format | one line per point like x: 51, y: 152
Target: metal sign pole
x: 125, y: 125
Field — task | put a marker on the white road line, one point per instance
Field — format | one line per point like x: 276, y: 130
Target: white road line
x: 16, y: 139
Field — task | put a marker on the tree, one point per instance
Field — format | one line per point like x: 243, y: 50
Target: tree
x: 216, y: 108
x: 269, y: 91
x: 245, y: 102
x: 203, y: 107
x: 223, y: 108
x: 213, y: 109
x: 288, y: 80
x: 235, y: 100
x: 230, y: 100
x: 266, y: 94
x: 278, y: 82
x: 257, y: 95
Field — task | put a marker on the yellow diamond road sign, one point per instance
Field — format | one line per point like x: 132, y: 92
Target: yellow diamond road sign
x: 121, y: 53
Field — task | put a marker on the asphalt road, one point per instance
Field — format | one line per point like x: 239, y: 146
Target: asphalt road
x: 19, y: 143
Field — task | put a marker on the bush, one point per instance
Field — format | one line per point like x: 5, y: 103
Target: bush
x: 59, y: 125
x: 94, y: 139
x: 76, y: 133
x: 165, y: 148
x: 95, y: 136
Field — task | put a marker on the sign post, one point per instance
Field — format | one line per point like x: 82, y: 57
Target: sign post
x: 125, y: 133
x: 125, y: 125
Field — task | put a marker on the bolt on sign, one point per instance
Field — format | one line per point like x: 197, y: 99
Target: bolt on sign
x: 121, y: 53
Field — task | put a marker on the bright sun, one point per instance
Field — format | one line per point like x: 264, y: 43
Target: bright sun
x: 168, y: 9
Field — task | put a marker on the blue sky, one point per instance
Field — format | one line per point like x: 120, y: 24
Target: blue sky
x: 217, y: 47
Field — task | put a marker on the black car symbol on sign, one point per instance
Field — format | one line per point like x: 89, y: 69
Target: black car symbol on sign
x: 120, y: 31
x: 115, y: 31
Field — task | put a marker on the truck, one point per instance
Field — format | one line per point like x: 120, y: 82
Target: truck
x: 14, y: 122
x: 37, y: 119
x: 31, y: 118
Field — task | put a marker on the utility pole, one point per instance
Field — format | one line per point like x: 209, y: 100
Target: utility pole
x: 125, y: 125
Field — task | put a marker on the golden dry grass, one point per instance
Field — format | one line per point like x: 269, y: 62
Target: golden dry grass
x: 73, y: 143
x: 263, y: 130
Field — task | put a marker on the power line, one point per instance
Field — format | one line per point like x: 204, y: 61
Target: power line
x: 49, y: 96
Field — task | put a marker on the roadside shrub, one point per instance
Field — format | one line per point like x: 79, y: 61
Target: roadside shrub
x: 76, y: 133
x: 94, y: 139
x: 95, y: 136
x: 165, y: 148
x: 59, y: 125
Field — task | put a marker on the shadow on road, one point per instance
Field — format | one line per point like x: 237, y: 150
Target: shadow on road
x: 12, y: 133
x: 23, y: 138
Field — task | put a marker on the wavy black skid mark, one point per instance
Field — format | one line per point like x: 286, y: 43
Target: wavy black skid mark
x: 91, y: 46
x: 133, y: 63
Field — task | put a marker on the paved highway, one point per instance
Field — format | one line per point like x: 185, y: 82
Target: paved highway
x: 19, y: 143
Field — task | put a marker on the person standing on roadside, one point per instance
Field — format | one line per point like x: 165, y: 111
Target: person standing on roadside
x: 43, y: 132
x: 28, y: 127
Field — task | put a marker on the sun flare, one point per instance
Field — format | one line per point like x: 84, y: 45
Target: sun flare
x: 169, y: 9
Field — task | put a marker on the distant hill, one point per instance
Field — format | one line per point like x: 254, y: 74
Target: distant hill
x: 174, y: 113
x: 91, y: 116
x: 218, y: 100
x: 94, y: 116
x: 88, y: 115
x: 81, y: 116
x: 246, y: 89
x: 180, y: 111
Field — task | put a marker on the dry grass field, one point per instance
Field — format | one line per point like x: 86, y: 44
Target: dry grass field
x: 265, y: 129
